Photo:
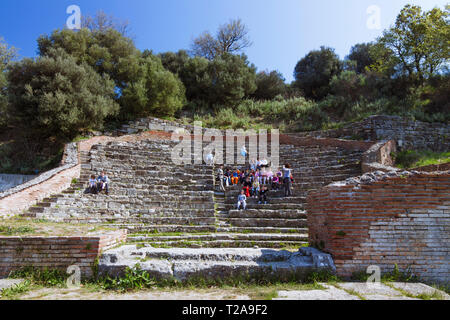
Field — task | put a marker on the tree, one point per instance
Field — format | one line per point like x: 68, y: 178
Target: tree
x: 58, y: 97
x: 269, y: 85
x: 157, y: 91
x: 232, y: 79
x: 7, y: 54
x: 230, y: 38
x: 110, y: 53
x: 174, y: 61
x: 196, y: 77
x: 418, y: 43
x: 314, y: 72
x: 102, y: 22
x: 360, y: 54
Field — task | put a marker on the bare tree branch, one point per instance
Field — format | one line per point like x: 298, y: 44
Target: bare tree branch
x: 230, y: 38
x: 102, y: 22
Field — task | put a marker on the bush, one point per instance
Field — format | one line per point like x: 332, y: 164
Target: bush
x: 57, y: 97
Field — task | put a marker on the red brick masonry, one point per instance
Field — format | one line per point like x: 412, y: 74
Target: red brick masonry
x: 402, y: 220
x: 56, y: 252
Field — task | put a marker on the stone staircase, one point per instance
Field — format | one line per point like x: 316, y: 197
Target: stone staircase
x: 148, y: 193
x: 166, y: 205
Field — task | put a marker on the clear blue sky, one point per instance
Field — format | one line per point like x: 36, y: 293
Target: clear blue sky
x: 282, y: 31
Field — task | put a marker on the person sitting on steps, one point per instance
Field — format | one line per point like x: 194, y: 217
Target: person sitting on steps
x: 263, y: 195
x: 276, y: 183
x: 256, y: 187
x: 235, y: 177
x: 92, y: 185
x: 242, y: 201
x: 102, y: 183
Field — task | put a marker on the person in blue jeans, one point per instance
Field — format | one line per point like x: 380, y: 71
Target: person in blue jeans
x: 287, y: 182
x: 242, y: 201
x: 103, y: 182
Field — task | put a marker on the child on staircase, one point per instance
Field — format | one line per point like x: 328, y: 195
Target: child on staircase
x: 256, y: 187
x: 263, y: 195
x: 242, y: 201
x: 93, y: 185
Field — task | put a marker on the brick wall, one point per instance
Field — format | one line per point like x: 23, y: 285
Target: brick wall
x: 385, y: 219
x: 55, y: 252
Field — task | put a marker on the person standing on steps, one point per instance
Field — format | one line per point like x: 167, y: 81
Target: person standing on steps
x: 287, y: 182
x: 221, y: 177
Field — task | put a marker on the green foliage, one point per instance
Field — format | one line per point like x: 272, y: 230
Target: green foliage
x: 314, y: 72
x: 221, y: 82
x: 142, y: 84
x: 27, y: 154
x: 269, y: 85
x: 417, y: 45
x: 17, y: 290
x: 134, y: 279
x: 155, y: 92
x: 232, y: 79
x: 3, y: 101
x: 138, y: 279
x: 360, y: 57
x: 12, y: 231
x: 42, y: 277
x: 399, y: 276
x: 413, y: 158
x: 7, y: 54
x: 173, y: 61
x: 56, y: 96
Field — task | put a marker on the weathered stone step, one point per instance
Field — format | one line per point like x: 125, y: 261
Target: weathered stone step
x: 267, y: 213
x: 262, y: 230
x: 267, y: 222
x: 143, y: 227
x: 219, y: 236
x: 128, y: 213
x: 284, y: 200
x: 270, y: 206
x: 184, y: 263
x: 229, y: 244
x: 193, y: 221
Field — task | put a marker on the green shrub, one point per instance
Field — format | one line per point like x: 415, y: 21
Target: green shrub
x: 413, y: 158
x: 57, y: 97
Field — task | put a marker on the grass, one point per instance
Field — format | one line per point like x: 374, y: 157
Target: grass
x: 350, y: 291
x: 15, y: 231
x: 16, y: 291
x: 419, y: 158
x: 138, y: 279
x: 18, y: 226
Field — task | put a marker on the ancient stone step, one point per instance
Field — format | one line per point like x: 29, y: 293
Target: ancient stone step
x: 184, y: 263
x: 267, y: 213
x: 144, y: 227
x: 262, y: 230
x: 267, y: 222
x: 228, y: 244
x: 151, y: 238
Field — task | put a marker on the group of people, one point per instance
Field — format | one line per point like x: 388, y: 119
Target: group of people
x: 99, y: 184
x: 256, y: 181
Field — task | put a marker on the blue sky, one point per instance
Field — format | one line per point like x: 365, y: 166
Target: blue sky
x: 282, y: 31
